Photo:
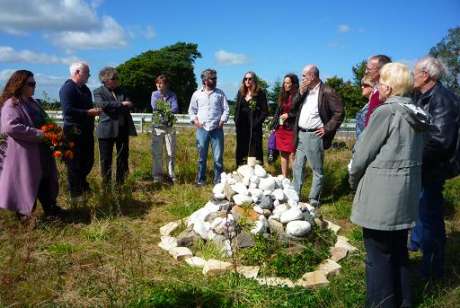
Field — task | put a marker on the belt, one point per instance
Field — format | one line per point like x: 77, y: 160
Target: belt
x: 309, y: 130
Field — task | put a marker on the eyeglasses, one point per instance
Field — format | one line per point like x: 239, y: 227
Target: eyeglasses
x: 31, y: 84
x: 212, y: 78
x: 114, y: 78
x: 365, y: 85
x: 247, y: 78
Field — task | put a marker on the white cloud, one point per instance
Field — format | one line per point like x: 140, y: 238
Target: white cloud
x: 225, y: 57
x: 10, y: 55
x: 111, y: 35
x: 149, y: 32
x: 42, y: 79
x: 344, y: 28
x: 70, y: 24
x: 22, y: 16
x: 136, y: 31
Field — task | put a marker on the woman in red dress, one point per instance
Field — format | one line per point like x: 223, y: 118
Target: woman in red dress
x: 284, y: 125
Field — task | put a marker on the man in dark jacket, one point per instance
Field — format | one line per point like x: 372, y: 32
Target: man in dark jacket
x: 318, y: 113
x: 79, y: 113
x: 443, y: 106
x: 115, y: 125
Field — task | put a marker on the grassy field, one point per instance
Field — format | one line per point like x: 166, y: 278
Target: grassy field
x: 106, y: 253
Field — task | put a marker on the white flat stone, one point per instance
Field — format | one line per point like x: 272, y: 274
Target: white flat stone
x: 241, y: 199
x: 343, y: 243
x: 240, y: 188
x: 332, y: 226
x: 312, y: 280
x: 291, y: 194
x: 180, y: 253
x: 338, y: 253
x: 258, y: 209
x: 278, y: 194
x: 267, y: 184
x: 195, y: 262
x: 168, y: 228
x: 213, y: 267
x: 275, y: 282
x: 167, y: 242
x: 329, y: 267
x: 245, y: 171
x: 218, y: 188
x: 250, y: 272
x: 259, y: 171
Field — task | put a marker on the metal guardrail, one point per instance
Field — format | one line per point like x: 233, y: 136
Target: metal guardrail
x: 143, y: 122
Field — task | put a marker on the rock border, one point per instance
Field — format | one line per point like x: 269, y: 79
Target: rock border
x: 315, y: 279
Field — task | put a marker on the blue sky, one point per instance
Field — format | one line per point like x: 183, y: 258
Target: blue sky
x: 271, y: 38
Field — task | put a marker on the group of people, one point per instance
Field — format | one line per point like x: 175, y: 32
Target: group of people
x: 405, y: 134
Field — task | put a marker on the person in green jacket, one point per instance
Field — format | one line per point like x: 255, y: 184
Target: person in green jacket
x: 386, y: 173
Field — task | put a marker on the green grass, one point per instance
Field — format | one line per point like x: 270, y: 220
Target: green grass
x: 105, y: 253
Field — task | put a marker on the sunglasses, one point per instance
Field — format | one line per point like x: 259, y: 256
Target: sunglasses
x: 212, y: 78
x: 114, y: 78
x: 31, y: 84
x: 248, y: 78
x: 366, y: 85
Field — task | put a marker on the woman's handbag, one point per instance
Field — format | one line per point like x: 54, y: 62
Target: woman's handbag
x: 272, y: 151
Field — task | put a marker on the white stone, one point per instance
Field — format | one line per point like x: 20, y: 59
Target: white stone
x: 290, y: 215
x: 202, y: 228
x: 333, y: 227
x: 261, y: 225
x: 291, y: 194
x: 255, y: 179
x: 343, y: 243
x: 298, y: 228
x: 258, y: 209
x: 306, y: 206
x: 314, y: 279
x: 278, y: 194
x: 220, y: 196
x: 286, y: 183
x: 259, y: 171
x: 168, y: 228
x: 167, y: 242
x: 240, y: 188
x: 280, y: 209
x: 252, y: 186
x: 267, y: 184
x: 338, y: 253
x: 255, y: 192
x: 213, y: 266
x: 276, y: 203
x: 245, y: 171
x: 246, y: 181
x: 218, y: 188
x: 267, y: 192
x: 275, y: 282
x: 293, y: 203
x: 180, y: 253
x: 241, y: 199
x: 195, y: 262
x: 329, y: 267
x: 249, y: 272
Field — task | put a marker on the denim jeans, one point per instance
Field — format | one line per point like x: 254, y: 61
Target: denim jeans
x: 429, y: 233
x: 163, y: 136
x: 309, y: 148
x: 216, y: 137
x: 387, y: 268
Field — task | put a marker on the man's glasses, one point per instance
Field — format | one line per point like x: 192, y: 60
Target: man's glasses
x: 31, y: 84
x: 212, y: 78
x: 114, y: 78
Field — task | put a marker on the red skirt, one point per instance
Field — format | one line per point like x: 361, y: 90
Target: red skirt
x: 285, y: 140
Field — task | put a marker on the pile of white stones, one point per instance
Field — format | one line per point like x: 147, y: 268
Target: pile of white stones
x: 274, y: 208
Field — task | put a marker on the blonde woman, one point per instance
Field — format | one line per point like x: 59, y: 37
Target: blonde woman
x: 386, y: 173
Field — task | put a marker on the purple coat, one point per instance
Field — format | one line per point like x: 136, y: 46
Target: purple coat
x: 22, y: 170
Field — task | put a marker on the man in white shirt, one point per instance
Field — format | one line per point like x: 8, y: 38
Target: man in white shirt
x: 318, y: 111
x: 209, y: 111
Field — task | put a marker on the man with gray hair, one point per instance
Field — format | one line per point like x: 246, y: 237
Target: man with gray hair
x: 79, y: 113
x: 318, y: 112
x: 209, y: 111
x: 429, y: 234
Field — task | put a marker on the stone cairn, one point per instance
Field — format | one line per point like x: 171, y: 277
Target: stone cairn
x: 272, y: 206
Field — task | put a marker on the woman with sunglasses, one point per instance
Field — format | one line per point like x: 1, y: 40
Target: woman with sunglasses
x: 250, y: 113
x: 367, y: 87
x: 29, y: 169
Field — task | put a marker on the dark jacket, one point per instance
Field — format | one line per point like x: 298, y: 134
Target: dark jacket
x: 75, y: 102
x: 444, y: 108
x: 330, y: 109
x: 115, y: 116
x: 244, y: 134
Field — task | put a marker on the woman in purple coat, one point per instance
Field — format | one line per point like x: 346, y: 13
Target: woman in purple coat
x: 29, y: 169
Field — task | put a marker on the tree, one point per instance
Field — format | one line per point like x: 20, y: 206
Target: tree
x: 137, y: 75
x: 448, y: 50
x: 350, y: 94
x: 358, y: 72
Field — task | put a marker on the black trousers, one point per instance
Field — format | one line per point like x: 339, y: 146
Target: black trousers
x: 387, y: 268
x: 80, y: 166
x: 106, y: 151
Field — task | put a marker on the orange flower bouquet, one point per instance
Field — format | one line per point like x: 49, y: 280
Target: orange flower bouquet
x: 59, y: 146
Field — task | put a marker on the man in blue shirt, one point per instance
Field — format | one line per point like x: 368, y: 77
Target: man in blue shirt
x: 79, y: 113
x: 209, y: 111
